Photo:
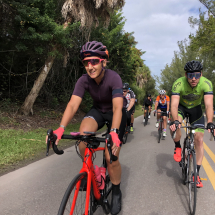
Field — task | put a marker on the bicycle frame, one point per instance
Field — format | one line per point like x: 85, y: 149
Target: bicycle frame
x: 89, y: 169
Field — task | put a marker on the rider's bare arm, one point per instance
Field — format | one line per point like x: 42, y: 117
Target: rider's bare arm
x: 117, y: 112
x: 71, y: 109
x: 132, y: 101
x: 156, y: 105
x: 167, y: 106
x: 174, y: 106
x: 208, y: 100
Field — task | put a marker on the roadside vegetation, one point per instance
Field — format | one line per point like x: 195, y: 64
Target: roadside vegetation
x: 40, y: 64
x: 198, y: 46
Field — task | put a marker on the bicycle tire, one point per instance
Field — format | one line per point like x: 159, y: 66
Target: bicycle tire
x: 192, y: 175
x: 146, y: 118
x: 67, y: 200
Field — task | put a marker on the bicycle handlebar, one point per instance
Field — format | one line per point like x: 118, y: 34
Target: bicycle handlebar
x: 162, y: 112
x: 86, y: 138
x: 193, y: 127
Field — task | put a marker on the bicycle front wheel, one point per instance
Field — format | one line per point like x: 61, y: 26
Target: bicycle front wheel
x: 192, y: 175
x: 76, y: 199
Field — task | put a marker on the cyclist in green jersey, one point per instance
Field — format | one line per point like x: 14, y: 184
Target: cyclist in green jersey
x: 187, y: 94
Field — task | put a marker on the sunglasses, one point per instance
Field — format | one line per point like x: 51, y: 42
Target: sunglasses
x: 194, y: 75
x: 93, y: 61
x: 124, y: 91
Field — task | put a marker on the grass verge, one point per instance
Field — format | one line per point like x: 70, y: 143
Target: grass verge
x: 138, y: 111
x: 18, y: 145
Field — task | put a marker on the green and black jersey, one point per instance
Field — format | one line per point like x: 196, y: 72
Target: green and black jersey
x: 191, y: 97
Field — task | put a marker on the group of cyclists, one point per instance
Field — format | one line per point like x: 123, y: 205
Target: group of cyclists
x: 114, y: 102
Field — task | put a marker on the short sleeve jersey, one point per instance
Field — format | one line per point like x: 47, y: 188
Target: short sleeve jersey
x: 130, y: 95
x: 191, y: 97
x: 102, y: 94
x: 162, y: 103
x: 147, y: 102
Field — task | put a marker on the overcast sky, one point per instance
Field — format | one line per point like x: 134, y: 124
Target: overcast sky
x: 158, y: 25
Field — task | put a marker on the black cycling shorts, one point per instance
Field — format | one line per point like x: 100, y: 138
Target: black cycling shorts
x: 132, y: 110
x: 195, y: 114
x: 101, y: 118
x: 147, y: 106
x: 164, y: 110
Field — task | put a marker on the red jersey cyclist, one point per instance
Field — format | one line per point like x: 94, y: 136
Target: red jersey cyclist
x: 162, y: 104
x: 105, y: 87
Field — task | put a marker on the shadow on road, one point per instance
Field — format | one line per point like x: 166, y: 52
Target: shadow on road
x: 167, y: 165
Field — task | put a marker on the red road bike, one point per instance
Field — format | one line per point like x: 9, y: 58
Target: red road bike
x: 83, y: 195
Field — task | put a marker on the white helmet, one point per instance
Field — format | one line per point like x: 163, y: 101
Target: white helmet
x: 162, y: 92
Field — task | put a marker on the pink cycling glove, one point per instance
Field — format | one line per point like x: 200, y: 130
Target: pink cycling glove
x: 115, y: 138
x: 59, y: 133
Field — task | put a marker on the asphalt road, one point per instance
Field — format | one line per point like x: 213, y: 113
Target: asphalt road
x: 151, y: 180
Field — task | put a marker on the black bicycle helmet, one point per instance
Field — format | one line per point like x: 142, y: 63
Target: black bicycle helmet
x: 149, y: 95
x: 94, y: 48
x: 193, y: 66
x: 125, y: 86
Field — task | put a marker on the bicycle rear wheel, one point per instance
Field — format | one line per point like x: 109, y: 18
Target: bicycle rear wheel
x: 192, y: 175
x: 80, y: 202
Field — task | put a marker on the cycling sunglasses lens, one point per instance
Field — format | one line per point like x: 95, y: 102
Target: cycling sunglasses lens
x: 198, y: 75
x: 93, y: 62
x: 194, y: 75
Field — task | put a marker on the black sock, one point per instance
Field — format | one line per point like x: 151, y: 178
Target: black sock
x: 131, y: 124
x: 177, y: 144
x: 198, y: 168
x: 116, y: 188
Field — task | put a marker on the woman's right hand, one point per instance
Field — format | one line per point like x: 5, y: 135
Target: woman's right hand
x: 58, y: 132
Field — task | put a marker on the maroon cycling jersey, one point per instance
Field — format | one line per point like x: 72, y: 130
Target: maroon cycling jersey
x: 102, y: 94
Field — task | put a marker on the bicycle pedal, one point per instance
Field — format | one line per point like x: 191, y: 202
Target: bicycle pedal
x: 180, y: 164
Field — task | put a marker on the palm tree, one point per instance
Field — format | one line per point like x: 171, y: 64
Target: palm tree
x: 88, y: 13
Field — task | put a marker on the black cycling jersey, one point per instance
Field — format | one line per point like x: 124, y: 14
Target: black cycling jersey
x: 147, y: 102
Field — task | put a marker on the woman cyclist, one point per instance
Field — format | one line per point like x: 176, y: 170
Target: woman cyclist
x: 105, y: 88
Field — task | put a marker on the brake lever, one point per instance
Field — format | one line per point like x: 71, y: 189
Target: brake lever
x: 52, y: 138
x: 109, y: 146
x: 212, y: 135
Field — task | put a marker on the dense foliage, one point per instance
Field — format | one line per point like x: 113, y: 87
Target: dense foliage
x: 200, y: 46
x: 32, y: 28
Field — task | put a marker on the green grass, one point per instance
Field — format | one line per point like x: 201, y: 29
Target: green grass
x: 18, y: 145
x: 138, y: 111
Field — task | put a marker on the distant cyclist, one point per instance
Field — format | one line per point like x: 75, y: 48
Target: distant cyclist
x: 130, y: 107
x: 162, y: 104
x: 187, y: 95
x: 147, y: 104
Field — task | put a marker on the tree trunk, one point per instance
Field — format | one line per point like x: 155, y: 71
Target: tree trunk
x: 27, y: 106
